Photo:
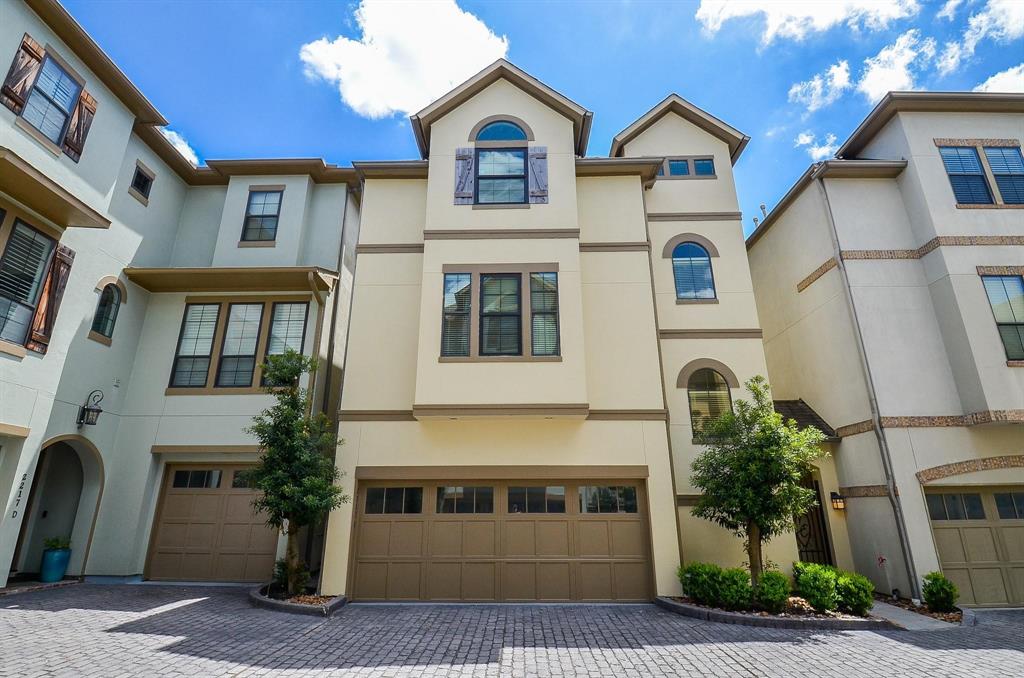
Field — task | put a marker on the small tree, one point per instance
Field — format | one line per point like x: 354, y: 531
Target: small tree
x: 750, y: 473
x: 295, y: 477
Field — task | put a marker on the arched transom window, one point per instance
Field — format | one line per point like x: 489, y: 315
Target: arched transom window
x: 501, y: 172
x: 708, y: 392
x: 501, y: 130
x: 106, y: 312
x: 691, y: 268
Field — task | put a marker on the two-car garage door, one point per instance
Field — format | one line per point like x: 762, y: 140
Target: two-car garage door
x: 510, y: 540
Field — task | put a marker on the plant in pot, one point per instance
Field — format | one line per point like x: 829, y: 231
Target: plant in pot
x: 56, y: 554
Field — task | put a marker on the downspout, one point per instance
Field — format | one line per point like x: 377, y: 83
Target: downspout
x: 876, y: 420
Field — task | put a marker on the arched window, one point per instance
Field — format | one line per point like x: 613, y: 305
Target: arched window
x: 709, y: 396
x: 106, y: 311
x: 501, y: 130
x: 691, y: 267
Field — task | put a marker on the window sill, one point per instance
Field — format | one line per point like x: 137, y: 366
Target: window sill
x: 257, y: 243
x: 14, y: 350
x: 138, y: 196
x: 27, y: 127
x: 213, y: 390
x: 502, y: 206
x: 684, y: 177
x: 1015, y: 363
x: 99, y: 338
x: 992, y: 206
x: 501, y: 359
x: 696, y: 301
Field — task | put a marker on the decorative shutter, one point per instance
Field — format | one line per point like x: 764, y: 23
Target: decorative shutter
x: 465, y: 176
x: 539, y: 175
x: 78, y: 129
x: 49, y: 300
x: 22, y: 74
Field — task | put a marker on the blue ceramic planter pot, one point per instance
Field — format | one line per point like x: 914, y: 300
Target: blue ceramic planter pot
x: 55, y: 564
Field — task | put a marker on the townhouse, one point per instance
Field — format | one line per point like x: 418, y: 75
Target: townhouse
x: 138, y: 296
x: 889, y: 284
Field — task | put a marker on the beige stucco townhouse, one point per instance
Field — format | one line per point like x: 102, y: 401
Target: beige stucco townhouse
x: 889, y: 283
x: 127, y: 274
x: 536, y: 339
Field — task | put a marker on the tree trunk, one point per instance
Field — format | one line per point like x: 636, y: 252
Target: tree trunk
x: 293, y: 561
x: 754, y: 551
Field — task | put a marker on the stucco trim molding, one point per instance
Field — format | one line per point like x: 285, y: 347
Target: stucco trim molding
x: 854, y: 429
x: 116, y: 282
x: 752, y: 333
x: 502, y: 234
x: 687, y: 499
x: 376, y: 415
x: 503, y: 472
x: 702, y: 363
x: 384, y: 248
x: 578, y: 410
x: 502, y: 118
x: 864, y: 491
x: 666, y: 251
x: 942, y: 421
x: 970, y: 466
x: 628, y: 415
x: 1000, y: 270
x: 816, y: 273
x: 14, y: 431
x: 204, y: 449
x: 615, y: 246
x: 1003, y: 143
x: 694, y: 216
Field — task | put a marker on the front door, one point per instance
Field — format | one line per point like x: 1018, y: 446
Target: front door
x: 811, y: 533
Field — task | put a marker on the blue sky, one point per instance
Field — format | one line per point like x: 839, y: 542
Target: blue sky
x: 235, y: 80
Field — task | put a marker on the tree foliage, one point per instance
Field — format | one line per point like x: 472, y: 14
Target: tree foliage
x: 295, y: 477
x: 750, y: 473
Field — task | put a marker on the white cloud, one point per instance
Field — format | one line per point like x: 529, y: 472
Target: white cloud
x: 1000, y: 20
x: 797, y: 18
x: 823, y: 89
x: 408, y: 54
x: 1010, y: 80
x: 948, y: 10
x: 180, y: 145
x: 804, y: 139
x: 894, y: 67
x: 824, y: 150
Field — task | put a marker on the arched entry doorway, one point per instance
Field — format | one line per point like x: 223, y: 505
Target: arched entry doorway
x: 63, y: 502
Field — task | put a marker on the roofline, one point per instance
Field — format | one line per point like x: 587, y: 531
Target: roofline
x: 86, y: 49
x: 501, y: 69
x: 895, y: 102
x: 832, y: 169
x: 645, y: 167
x: 391, y: 169
x: 674, y: 103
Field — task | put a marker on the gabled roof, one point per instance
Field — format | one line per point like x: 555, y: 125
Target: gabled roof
x: 502, y: 69
x: 943, y: 102
x: 674, y: 103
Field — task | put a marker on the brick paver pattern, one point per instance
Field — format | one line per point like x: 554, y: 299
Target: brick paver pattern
x: 107, y: 631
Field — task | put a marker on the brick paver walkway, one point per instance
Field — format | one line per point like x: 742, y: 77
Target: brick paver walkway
x: 108, y: 631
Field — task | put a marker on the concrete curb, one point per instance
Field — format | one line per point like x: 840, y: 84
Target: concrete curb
x: 725, y: 617
x: 258, y: 599
x: 40, y: 586
x: 967, y: 618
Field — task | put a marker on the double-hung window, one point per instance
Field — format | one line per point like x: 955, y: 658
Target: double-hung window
x: 501, y: 319
x: 23, y: 267
x: 544, y: 313
x: 687, y: 167
x: 455, y: 322
x: 238, y: 350
x: 1006, y: 296
x: 984, y: 171
x: 966, y: 175
x: 262, y: 213
x: 195, y: 346
x: 1007, y: 166
x: 287, y: 327
x: 52, y: 101
x: 501, y: 176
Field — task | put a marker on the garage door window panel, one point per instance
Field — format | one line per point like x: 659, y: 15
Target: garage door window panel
x: 1010, y: 505
x: 955, y: 506
x: 608, y: 499
x: 197, y: 479
x: 390, y: 500
x: 457, y: 499
x: 536, y: 499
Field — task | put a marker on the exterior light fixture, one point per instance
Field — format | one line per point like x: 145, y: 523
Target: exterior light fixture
x: 838, y: 501
x: 89, y: 412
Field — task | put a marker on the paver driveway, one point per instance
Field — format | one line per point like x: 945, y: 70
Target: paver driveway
x: 89, y: 630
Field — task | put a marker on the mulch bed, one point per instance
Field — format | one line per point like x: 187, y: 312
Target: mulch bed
x: 954, y: 617
x: 309, y: 599
x: 795, y: 608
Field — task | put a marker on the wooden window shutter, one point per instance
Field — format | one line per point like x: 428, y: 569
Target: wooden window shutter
x: 539, y: 175
x: 78, y: 129
x: 21, y: 75
x: 49, y: 301
x: 465, y: 176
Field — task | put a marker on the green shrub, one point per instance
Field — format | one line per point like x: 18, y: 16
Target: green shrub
x: 57, y: 543
x: 817, y: 585
x: 701, y: 582
x: 856, y: 593
x: 772, y: 591
x: 734, y: 592
x: 939, y: 593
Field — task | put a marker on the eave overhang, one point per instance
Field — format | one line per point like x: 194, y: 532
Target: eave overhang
x: 29, y: 186
x: 391, y: 169
x: 234, y: 279
x: 646, y: 168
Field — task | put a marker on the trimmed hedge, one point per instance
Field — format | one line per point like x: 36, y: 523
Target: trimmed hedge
x: 734, y: 590
x: 856, y: 593
x: 827, y: 588
x: 772, y: 591
x: 939, y: 593
x: 702, y: 582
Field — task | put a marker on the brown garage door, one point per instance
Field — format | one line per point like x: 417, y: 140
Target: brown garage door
x: 979, y: 536
x: 513, y: 541
x: 205, y: 529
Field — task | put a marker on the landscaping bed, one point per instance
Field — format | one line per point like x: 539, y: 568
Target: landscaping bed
x: 784, y: 620
x: 306, y: 603
x: 954, y: 617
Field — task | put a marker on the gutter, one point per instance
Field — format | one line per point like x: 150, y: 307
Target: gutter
x: 883, y: 445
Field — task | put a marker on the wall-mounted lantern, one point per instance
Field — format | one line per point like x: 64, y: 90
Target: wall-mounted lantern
x: 838, y: 501
x: 89, y: 412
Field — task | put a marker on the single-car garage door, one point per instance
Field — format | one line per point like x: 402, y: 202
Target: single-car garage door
x: 205, y: 529
x: 979, y: 536
x: 490, y: 541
